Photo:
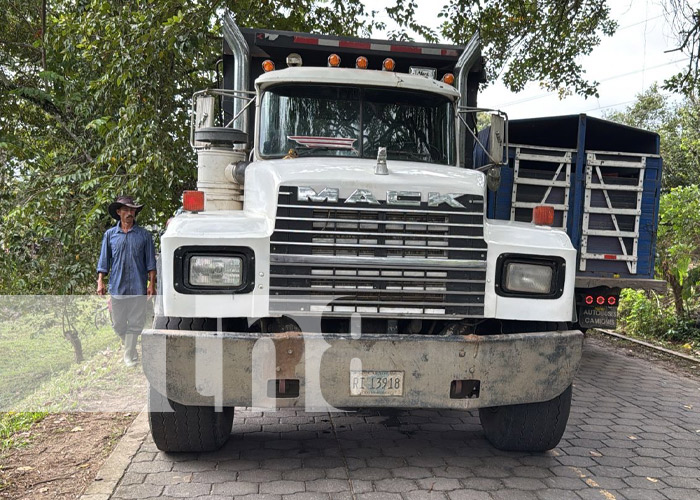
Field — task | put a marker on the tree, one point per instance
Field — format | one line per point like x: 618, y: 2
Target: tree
x: 94, y: 102
x: 678, y: 125
x: 684, y: 18
x: 678, y: 244
x: 524, y: 40
x: 678, y: 236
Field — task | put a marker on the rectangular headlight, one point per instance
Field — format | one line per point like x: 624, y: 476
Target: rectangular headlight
x: 216, y: 271
x: 528, y: 278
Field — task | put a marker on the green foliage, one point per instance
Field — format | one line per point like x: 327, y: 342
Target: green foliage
x: 678, y: 126
x: 678, y: 244
x: 530, y: 40
x: 98, y: 106
x: 645, y: 314
x: 13, y: 423
x: 32, y: 349
x: 684, y: 19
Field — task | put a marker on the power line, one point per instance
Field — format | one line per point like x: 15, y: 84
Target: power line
x: 549, y: 94
x: 638, y: 23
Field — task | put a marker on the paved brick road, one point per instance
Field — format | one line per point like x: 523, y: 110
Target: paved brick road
x: 634, y: 433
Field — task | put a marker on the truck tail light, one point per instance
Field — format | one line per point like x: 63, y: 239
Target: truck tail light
x: 334, y: 60
x: 388, y: 64
x: 612, y: 301
x: 448, y: 78
x: 543, y: 215
x: 600, y: 300
x: 361, y: 62
x: 589, y: 299
x: 193, y: 201
x: 268, y: 65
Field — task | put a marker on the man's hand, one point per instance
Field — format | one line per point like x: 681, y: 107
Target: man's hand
x: 151, y: 290
x: 101, y: 290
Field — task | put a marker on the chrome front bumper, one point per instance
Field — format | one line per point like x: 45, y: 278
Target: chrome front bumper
x: 236, y: 369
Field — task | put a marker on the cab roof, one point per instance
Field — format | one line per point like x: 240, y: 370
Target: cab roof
x: 360, y: 77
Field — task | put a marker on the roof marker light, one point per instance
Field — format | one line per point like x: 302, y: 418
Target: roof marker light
x: 334, y: 60
x: 448, y: 78
x: 361, y: 62
x: 293, y: 60
x: 388, y: 64
x: 600, y: 300
x: 612, y: 300
x: 268, y: 65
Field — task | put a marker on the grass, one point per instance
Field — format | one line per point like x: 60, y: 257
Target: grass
x: 13, y: 424
x: 38, y: 372
x: 33, y: 349
x: 101, y: 383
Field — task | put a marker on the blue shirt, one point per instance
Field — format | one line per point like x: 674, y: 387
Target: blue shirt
x: 127, y: 258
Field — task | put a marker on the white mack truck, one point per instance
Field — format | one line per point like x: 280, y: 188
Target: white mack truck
x: 337, y: 253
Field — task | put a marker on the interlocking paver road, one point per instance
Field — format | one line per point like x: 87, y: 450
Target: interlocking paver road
x: 634, y: 433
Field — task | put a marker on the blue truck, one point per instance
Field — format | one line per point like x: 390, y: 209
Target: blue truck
x: 603, y: 181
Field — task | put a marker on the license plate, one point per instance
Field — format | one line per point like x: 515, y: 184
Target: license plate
x: 376, y: 383
x: 598, y: 317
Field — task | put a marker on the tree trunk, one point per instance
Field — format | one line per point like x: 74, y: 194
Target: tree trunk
x: 72, y: 337
x: 677, y: 290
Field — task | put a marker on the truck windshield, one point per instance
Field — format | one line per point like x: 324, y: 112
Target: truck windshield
x: 314, y: 120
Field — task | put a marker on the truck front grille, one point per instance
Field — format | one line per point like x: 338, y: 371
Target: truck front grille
x: 378, y: 260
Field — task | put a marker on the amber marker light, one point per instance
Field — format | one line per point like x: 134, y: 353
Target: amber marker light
x: 334, y: 60
x: 361, y: 62
x: 268, y: 65
x: 193, y: 201
x: 388, y: 64
x: 448, y: 78
x: 543, y: 215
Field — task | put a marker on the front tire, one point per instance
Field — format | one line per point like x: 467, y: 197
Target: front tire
x: 527, y: 427
x: 179, y: 428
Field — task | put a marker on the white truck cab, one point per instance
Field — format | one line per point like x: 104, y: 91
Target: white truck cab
x: 337, y: 252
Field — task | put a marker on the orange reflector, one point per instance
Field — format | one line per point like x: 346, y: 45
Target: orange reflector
x: 388, y: 64
x: 334, y: 60
x: 193, y: 201
x: 448, y: 78
x: 361, y: 62
x: 543, y: 215
x: 268, y: 65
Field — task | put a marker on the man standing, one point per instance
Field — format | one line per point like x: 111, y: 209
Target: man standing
x: 128, y: 256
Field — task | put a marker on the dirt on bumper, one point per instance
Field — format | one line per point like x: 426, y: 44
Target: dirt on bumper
x: 245, y: 369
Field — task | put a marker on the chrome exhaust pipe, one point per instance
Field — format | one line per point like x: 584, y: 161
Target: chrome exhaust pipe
x: 241, y: 69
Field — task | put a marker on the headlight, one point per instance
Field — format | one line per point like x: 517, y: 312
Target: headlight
x: 216, y: 271
x: 213, y: 270
x: 534, y: 276
x: 528, y: 278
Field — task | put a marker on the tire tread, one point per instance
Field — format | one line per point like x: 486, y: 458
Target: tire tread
x: 527, y: 427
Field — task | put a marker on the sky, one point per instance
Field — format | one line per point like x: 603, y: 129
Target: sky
x: 625, y: 64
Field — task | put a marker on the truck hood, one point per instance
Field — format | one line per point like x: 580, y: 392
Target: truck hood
x: 264, y: 178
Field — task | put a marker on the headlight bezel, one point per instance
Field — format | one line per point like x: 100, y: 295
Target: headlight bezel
x: 555, y: 263
x: 183, y: 257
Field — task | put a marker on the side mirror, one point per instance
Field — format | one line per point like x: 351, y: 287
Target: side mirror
x: 497, y: 139
x: 493, y: 178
